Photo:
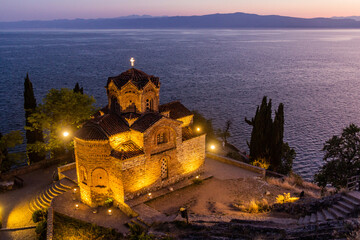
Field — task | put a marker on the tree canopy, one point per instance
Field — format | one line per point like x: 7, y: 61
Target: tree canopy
x: 8, y: 141
x: 32, y: 136
x: 341, y: 157
x: 267, y: 136
x: 62, y: 110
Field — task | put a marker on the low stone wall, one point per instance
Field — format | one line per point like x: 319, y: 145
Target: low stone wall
x: 65, y: 168
x: 231, y: 161
x: 50, y: 224
x: 33, y: 167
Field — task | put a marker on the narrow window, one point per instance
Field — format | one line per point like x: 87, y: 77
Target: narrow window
x: 164, y: 168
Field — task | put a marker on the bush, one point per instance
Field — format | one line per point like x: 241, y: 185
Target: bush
x: 39, y: 215
x: 41, y: 230
x: 255, y: 206
x: 197, y: 181
x: 261, y: 162
x: 109, y: 202
x: 285, y: 198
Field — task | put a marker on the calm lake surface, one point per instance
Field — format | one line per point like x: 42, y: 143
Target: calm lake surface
x: 222, y: 73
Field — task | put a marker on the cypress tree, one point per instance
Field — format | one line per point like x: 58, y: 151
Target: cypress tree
x: 30, y: 106
x: 277, y: 138
x: 262, y: 131
x: 77, y: 89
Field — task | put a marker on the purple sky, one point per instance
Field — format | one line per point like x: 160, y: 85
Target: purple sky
x: 14, y: 10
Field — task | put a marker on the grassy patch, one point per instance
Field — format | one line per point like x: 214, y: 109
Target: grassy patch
x: 69, y: 228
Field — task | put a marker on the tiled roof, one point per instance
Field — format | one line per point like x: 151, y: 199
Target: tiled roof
x: 127, y: 150
x: 91, y: 131
x: 101, y: 127
x: 187, y: 133
x: 146, y: 121
x: 137, y: 77
x: 131, y: 115
x: 176, y: 109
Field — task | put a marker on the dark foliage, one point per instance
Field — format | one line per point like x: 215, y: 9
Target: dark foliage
x: 77, y: 89
x: 39, y: 215
x: 342, y: 158
x: 267, y: 138
x: 35, y: 135
x: 205, y: 125
x: 41, y: 230
x: 69, y: 228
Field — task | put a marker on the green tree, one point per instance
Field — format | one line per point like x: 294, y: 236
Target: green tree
x: 267, y: 138
x: 62, y: 110
x: 224, y: 134
x: 342, y: 158
x: 9, y: 158
x: 35, y: 135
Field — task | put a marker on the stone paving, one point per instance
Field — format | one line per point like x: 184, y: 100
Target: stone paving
x: 66, y: 202
x: 14, y: 205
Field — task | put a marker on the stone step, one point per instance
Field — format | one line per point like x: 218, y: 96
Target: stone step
x: 49, y: 194
x: 66, y: 183
x: 328, y: 215
x: 46, y: 196
x: 346, y: 205
x: 306, y: 219
x: 57, y: 187
x: 37, y: 204
x: 32, y: 208
x: 313, y: 218
x: 320, y: 217
x: 336, y: 213
x: 54, y: 192
x: 301, y: 221
x: 44, y: 200
x: 350, y: 200
x: 355, y: 195
x: 341, y: 209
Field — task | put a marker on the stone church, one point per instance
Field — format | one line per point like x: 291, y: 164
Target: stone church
x: 134, y: 145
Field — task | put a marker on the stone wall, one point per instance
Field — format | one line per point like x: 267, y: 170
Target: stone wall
x: 237, y: 163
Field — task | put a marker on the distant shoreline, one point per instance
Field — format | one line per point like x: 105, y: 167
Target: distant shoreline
x: 212, y: 21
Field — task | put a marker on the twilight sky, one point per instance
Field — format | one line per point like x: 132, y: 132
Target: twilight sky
x: 14, y: 10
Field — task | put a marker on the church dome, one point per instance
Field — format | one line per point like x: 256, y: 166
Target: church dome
x: 137, y: 77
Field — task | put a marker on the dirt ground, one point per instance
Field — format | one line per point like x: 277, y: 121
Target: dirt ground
x: 217, y: 195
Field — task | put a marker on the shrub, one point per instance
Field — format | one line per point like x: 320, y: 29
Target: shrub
x: 41, y: 230
x: 261, y: 162
x: 197, y: 181
x: 255, y: 206
x: 39, y: 215
x: 285, y: 198
x: 109, y: 202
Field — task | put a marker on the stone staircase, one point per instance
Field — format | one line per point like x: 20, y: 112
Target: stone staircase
x: 343, y: 209
x: 43, y: 200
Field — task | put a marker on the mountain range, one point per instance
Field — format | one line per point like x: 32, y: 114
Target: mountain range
x: 230, y: 20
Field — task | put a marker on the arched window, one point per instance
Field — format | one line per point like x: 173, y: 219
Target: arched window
x: 149, y: 105
x: 83, y: 175
x: 161, y: 138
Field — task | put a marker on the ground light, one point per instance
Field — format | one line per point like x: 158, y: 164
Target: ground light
x: 110, y: 212
x: 76, y: 206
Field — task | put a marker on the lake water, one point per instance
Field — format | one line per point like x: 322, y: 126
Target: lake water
x: 222, y: 73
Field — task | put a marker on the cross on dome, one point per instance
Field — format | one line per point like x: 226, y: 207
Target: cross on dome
x: 132, y: 61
